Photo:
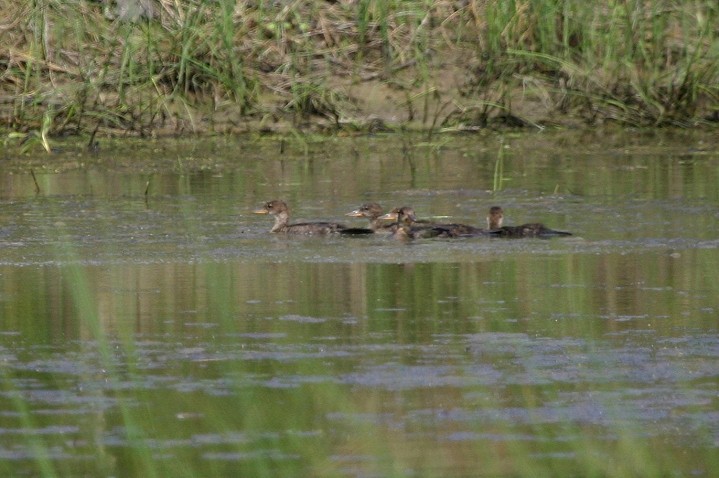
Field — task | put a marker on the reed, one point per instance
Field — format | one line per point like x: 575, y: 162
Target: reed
x: 41, y: 454
x: 173, y: 64
x: 498, y: 169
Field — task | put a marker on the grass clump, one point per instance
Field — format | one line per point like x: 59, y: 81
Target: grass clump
x: 636, y: 62
x: 148, y: 66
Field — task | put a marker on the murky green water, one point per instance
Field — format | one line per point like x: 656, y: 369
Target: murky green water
x: 172, y: 334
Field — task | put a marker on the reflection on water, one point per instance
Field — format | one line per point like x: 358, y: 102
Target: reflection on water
x: 177, y: 334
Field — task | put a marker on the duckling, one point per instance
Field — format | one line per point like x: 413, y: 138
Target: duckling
x: 496, y: 217
x: 282, y: 224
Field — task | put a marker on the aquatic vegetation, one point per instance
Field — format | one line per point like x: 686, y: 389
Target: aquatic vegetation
x: 142, y: 67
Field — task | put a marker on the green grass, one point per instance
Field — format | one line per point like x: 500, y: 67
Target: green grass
x: 634, y: 62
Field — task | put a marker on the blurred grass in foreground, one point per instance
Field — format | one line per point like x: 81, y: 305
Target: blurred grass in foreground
x: 149, y: 396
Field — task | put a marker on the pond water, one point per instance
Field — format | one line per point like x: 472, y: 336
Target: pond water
x: 150, y: 325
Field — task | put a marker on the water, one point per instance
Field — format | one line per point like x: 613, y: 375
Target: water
x: 170, y: 333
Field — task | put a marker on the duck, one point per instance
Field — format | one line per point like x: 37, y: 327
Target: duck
x: 406, y: 225
x: 535, y: 229
x: 373, y: 212
x: 281, y: 212
x: 435, y: 229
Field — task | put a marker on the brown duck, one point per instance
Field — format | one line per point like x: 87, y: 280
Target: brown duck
x: 373, y: 212
x: 281, y: 212
x: 433, y: 229
x: 496, y: 217
x: 406, y: 225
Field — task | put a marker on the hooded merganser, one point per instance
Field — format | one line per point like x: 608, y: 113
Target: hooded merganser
x: 281, y: 212
x: 496, y: 217
x: 373, y: 212
x: 406, y: 225
x: 438, y: 229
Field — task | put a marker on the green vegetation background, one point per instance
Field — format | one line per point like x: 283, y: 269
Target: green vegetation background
x: 173, y: 66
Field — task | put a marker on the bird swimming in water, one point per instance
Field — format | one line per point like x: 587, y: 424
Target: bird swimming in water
x: 535, y: 229
x: 373, y: 212
x: 406, y: 225
x: 433, y: 229
x: 281, y: 212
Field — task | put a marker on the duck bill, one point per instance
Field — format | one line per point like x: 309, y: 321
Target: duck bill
x: 261, y: 211
x: 390, y: 216
x: 355, y: 213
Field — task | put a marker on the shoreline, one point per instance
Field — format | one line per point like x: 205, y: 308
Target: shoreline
x: 177, y: 68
